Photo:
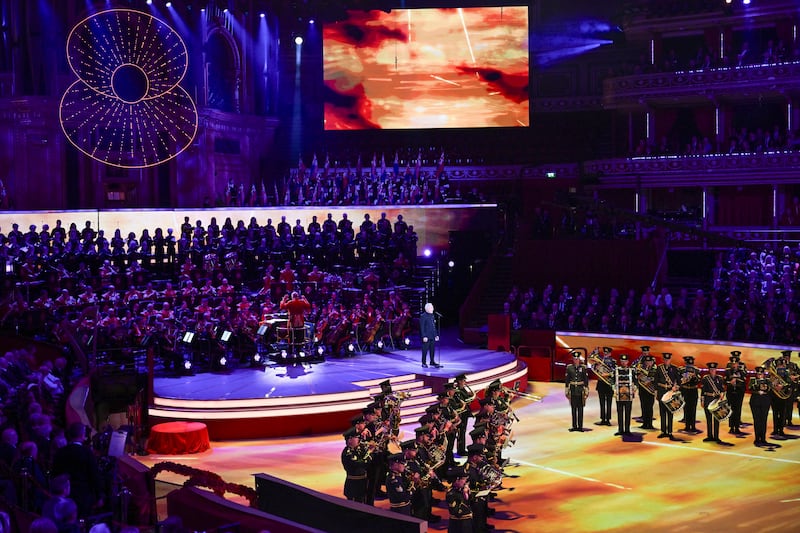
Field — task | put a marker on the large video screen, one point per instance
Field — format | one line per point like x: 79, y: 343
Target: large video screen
x: 427, y: 68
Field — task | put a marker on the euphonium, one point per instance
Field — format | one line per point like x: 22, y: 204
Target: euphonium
x: 601, y: 369
x: 643, y: 378
x: 780, y: 386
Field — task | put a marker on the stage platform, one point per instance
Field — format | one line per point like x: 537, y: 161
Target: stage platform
x: 311, y: 398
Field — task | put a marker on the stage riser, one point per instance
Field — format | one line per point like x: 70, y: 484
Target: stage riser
x: 240, y: 428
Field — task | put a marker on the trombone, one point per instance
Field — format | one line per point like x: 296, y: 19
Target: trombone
x: 521, y: 394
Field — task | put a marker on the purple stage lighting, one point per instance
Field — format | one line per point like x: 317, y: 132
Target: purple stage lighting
x: 427, y: 252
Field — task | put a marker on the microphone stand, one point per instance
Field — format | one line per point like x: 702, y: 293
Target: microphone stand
x: 437, y: 322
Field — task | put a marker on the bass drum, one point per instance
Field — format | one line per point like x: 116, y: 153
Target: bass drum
x: 673, y: 400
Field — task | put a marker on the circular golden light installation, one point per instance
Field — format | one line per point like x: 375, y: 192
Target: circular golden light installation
x: 127, y: 108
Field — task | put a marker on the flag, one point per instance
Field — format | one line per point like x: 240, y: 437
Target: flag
x: 440, y: 168
x: 374, y: 165
x: 314, y: 166
x: 301, y: 168
x: 327, y: 166
x: 396, y: 164
x: 358, y: 167
x: 263, y: 194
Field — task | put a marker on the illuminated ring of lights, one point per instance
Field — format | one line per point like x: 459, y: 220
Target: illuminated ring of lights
x: 102, y: 43
x: 124, y: 111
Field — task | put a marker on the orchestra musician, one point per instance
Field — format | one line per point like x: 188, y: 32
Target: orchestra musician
x: 713, y: 387
x: 667, y: 379
x: 296, y: 306
x: 760, y: 402
x: 623, y: 386
x: 576, y: 388
x: 735, y: 382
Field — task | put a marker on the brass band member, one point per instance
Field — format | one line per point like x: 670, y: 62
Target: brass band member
x: 713, y: 388
x: 779, y: 398
x: 419, y: 474
x: 399, y: 486
x: 355, y: 460
x: 623, y: 384
x: 759, y: 405
x: 466, y: 395
x: 645, y: 379
x: 735, y: 382
x: 605, y: 391
x: 793, y: 371
x: 667, y: 379
x: 576, y: 388
x: 480, y: 505
x: 690, y: 380
x: 458, y: 502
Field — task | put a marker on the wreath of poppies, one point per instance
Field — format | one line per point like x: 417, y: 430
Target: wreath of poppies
x: 127, y: 109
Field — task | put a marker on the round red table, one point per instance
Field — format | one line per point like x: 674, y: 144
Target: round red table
x: 175, y: 438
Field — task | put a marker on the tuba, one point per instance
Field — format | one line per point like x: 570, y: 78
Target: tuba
x: 602, y: 370
x: 779, y: 385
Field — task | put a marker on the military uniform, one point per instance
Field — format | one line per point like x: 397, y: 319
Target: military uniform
x: 458, y: 502
x: 605, y: 392
x: 355, y: 460
x: 477, y: 483
x: 667, y: 377
x: 398, y: 486
x: 735, y: 382
x: 793, y: 370
x: 759, y: 405
x: 779, y: 403
x: 465, y: 397
x: 690, y: 380
x: 713, y: 387
x: 575, y: 388
x: 623, y: 383
x: 645, y: 378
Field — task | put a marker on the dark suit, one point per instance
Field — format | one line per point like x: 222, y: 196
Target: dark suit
x: 79, y: 462
x: 427, y: 330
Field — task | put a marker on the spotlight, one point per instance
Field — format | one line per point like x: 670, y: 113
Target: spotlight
x: 427, y: 252
x: 746, y: 2
x: 351, y: 348
x: 302, y: 354
x: 257, y: 358
x: 311, y: 21
x: 284, y: 354
x: 149, y: 2
x: 187, y: 365
x: 262, y: 15
x: 202, y: 10
x: 225, y: 10
x: 223, y: 361
x: 380, y: 345
x: 168, y: 4
x: 320, y: 350
x: 298, y: 40
x: 451, y: 263
x: 407, y: 341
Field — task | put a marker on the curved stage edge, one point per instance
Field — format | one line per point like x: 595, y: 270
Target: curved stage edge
x: 311, y: 398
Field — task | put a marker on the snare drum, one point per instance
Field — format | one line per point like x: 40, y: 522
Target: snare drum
x: 673, y: 400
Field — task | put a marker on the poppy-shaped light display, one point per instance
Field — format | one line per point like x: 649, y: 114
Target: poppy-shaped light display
x: 126, y: 109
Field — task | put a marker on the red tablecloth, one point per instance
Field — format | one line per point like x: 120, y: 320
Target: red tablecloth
x: 175, y: 438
